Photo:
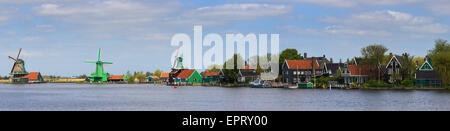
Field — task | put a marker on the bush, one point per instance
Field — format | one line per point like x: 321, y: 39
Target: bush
x: 374, y: 83
x: 407, y: 83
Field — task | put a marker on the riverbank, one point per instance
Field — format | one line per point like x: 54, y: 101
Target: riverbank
x: 239, y: 85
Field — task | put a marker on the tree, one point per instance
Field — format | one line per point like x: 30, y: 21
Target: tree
x: 157, y: 72
x: 288, y: 54
x: 130, y: 79
x: 373, y: 54
x: 331, y: 60
x: 231, y: 75
x: 141, y: 77
x: 440, y: 55
x: 408, y: 66
x: 148, y: 73
x: 439, y: 47
x: 213, y: 68
x: 418, y: 61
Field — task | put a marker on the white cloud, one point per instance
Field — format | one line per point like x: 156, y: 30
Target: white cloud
x: 31, y: 39
x: 151, y: 36
x: 45, y: 28
x: 222, y: 14
x: 335, y: 30
x: 106, y: 12
x: 349, y: 3
x: 439, y: 7
x: 391, y: 21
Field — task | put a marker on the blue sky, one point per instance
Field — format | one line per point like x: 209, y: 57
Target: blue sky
x: 57, y: 35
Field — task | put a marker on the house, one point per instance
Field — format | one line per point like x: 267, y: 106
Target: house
x: 164, y: 77
x: 300, y: 71
x: 152, y: 78
x: 331, y: 69
x: 117, y: 78
x: 32, y: 77
x: 210, y: 77
x: 248, y: 75
x: 426, y: 76
x: 359, y: 74
x: 185, y: 76
x: 392, y: 70
x: 323, y: 61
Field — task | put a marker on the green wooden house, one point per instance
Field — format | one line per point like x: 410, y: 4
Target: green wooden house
x: 210, y: 77
x: 152, y: 78
x: 426, y: 76
x: 188, y: 76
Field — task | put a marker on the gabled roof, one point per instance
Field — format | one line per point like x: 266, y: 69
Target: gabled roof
x: 210, y: 73
x: 396, y: 58
x: 185, y: 73
x: 334, y: 67
x: 369, y: 70
x: 32, y: 76
x: 164, y: 75
x: 426, y: 66
x: 245, y: 73
x: 357, y: 60
x: 301, y: 64
x: 116, y: 77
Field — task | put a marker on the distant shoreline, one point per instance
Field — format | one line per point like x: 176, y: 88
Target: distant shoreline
x: 228, y: 86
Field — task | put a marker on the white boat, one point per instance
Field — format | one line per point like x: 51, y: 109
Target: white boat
x: 260, y: 84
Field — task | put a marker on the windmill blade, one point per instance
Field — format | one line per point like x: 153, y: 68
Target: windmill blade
x: 12, y: 59
x: 176, y: 60
x: 20, y: 50
x: 99, y: 54
x: 107, y: 64
x: 90, y: 61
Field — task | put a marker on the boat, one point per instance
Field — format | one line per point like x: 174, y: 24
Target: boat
x: 305, y: 85
x: 260, y: 84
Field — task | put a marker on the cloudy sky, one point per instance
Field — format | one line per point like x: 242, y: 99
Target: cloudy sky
x: 57, y: 35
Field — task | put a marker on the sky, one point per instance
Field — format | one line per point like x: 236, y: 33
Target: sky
x: 58, y: 35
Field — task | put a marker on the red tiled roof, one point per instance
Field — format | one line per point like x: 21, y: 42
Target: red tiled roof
x: 164, y: 75
x: 116, y: 77
x: 363, y: 70
x: 154, y: 77
x: 301, y: 64
x: 32, y: 76
x: 185, y: 73
x: 209, y: 73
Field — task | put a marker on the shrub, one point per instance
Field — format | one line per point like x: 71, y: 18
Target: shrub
x: 407, y: 83
x: 374, y: 83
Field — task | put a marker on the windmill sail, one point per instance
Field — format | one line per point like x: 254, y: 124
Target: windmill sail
x: 176, y: 59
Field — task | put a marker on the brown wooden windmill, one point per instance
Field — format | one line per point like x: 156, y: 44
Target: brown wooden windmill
x: 19, y: 65
x: 18, y: 72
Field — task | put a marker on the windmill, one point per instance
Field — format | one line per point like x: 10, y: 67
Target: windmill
x: 178, y: 62
x: 98, y: 75
x: 19, y: 65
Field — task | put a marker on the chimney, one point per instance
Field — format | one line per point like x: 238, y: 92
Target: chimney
x: 305, y: 55
x: 390, y: 55
x: 324, y: 56
x: 313, y: 63
x: 417, y: 63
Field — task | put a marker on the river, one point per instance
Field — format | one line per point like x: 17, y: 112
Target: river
x: 149, y: 97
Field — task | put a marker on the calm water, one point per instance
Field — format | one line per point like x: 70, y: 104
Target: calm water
x: 157, y: 97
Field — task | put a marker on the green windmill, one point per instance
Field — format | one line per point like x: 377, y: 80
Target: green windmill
x: 99, y: 75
